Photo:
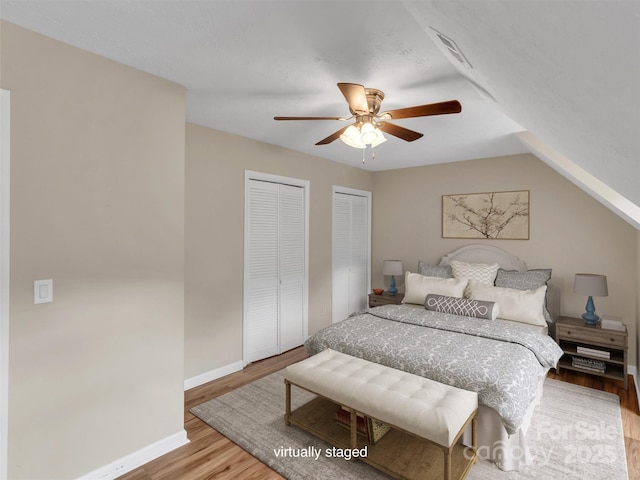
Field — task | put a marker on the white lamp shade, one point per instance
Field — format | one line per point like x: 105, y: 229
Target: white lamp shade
x: 392, y: 267
x: 351, y: 136
x: 590, y: 284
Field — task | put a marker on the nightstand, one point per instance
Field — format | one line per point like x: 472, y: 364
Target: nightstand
x: 384, y: 299
x: 592, y: 349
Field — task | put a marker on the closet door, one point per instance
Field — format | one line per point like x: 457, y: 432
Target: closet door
x: 261, y: 270
x: 275, y: 283
x: 351, y: 245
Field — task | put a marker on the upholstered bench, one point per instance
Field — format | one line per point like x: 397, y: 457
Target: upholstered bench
x: 410, y: 404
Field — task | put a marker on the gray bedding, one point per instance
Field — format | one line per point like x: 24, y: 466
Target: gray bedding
x: 502, y: 362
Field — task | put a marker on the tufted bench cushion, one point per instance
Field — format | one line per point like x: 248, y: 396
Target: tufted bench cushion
x: 415, y: 404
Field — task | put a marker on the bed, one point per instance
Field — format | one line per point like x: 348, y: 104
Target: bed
x: 500, y: 355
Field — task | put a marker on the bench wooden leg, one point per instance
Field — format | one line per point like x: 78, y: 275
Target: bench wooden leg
x: 354, y: 429
x: 447, y: 463
x: 474, y: 436
x: 287, y: 412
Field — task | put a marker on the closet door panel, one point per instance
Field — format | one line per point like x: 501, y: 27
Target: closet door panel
x: 350, y: 275
x: 292, y: 266
x: 262, y: 269
x: 341, y: 257
x: 359, y: 252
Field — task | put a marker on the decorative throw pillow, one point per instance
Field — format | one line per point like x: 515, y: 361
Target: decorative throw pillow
x: 440, y: 271
x: 518, y: 305
x: 462, y: 306
x: 417, y: 287
x: 481, y: 272
x: 527, y: 280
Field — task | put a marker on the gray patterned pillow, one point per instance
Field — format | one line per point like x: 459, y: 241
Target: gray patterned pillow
x: 527, y: 280
x: 440, y: 271
x: 462, y: 306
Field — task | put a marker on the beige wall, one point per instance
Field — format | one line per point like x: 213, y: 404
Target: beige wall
x: 215, y: 167
x: 569, y: 231
x: 97, y: 205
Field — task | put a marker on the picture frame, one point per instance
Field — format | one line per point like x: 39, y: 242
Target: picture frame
x: 489, y: 215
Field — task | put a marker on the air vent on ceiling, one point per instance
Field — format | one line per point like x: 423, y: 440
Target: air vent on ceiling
x: 452, y: 49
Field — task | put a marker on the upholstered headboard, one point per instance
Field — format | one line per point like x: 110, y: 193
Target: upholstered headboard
x: 485, y: 254
x: 490, y: 254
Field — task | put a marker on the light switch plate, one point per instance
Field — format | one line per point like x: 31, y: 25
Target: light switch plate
x: 43, y: 291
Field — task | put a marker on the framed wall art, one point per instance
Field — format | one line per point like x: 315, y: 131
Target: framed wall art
x: 494, y: 215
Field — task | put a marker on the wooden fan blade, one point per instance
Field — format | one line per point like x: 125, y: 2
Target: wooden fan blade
x: 442, y: 108
x: 400, y: 132
x: 356, y: 97
x: 332, y: 137
x: 309, y: 118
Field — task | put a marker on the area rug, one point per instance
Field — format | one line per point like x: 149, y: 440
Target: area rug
x: 576, y: 433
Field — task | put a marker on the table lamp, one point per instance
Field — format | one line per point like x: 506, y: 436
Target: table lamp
x: 392, y: 267
x: 592, y: 285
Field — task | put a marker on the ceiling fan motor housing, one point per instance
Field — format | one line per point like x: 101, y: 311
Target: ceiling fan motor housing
x: 374, y: 99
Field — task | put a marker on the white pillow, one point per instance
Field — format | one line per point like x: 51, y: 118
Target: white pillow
x: 482, y: 272
x: 417, y: 287
x: 523, y: 306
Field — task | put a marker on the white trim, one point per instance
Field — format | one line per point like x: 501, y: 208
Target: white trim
x: 138, y: 458
x: 212, y: 375
x: 5, y: 137
x: 306, y: 185
x: 633, y: 370
x: 593, y: 186
x: 360, y: 193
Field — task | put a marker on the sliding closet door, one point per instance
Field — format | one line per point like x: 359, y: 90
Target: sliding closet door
x: 276, y: 265
x: 351, y: 247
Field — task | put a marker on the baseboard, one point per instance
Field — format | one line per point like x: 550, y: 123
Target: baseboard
x: 136, y: 459
x: 633, y: 370
x: 212, y: 375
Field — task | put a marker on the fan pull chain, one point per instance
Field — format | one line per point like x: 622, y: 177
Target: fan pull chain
x: 373, y: 152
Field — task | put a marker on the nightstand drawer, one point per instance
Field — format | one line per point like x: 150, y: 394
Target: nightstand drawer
x: 384, y: 299
x: 590, y: 335
x: 377, y: 301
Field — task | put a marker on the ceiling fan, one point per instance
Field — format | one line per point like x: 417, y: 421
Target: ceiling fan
x: 364, y: 105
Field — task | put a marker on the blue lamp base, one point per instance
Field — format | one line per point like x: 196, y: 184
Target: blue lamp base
x: 392, y: 287
x: 590, y: 317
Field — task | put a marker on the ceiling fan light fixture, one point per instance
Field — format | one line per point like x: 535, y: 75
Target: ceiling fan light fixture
x: 362, y: 135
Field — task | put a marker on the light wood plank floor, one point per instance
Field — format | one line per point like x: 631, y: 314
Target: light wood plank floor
x: 209, y: 455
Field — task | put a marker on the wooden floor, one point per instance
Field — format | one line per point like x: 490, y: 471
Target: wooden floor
x: 209, y: 455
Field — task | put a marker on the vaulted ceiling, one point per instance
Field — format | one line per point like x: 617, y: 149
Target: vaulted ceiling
x: 560, y: 79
